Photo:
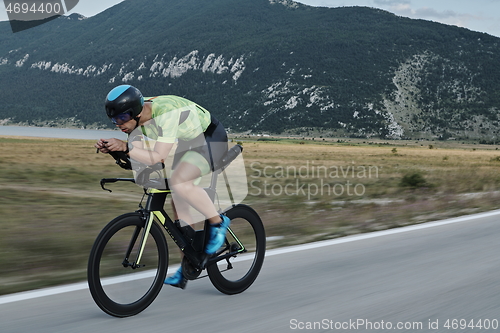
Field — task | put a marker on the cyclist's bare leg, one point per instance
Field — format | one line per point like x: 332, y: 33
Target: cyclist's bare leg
x: 185, y: 193
x: 182, y: 183
x: 181, y: 212
x: 181, y: 209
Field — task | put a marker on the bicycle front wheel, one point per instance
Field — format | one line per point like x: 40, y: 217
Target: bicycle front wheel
x: 119, y: 287
x: 246, y: 239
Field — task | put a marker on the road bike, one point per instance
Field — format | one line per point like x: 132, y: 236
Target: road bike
x: 129, y: 259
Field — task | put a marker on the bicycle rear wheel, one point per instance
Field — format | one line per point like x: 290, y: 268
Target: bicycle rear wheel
x: 247, y: 240
x: 116, y: 286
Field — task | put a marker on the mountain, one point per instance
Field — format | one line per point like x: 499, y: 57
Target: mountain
x: 260, y: 65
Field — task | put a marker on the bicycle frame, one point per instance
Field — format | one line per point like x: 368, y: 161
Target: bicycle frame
x: 145, y: 226
x: 154, y: 212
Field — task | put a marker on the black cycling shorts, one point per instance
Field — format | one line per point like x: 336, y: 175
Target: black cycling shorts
x: 212, y: 145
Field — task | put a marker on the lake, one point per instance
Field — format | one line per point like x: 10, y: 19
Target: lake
x: 61, y: 133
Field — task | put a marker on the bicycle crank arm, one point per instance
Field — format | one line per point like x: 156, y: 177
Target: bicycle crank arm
x: 226, y: 256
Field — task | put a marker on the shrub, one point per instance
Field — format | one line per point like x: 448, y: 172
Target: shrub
x: 413, y: 180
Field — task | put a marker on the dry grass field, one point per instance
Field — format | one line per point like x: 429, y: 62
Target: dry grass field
x: 339, y: 189
x: 52, y: 207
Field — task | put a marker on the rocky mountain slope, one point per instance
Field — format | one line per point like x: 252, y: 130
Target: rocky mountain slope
x: 260, y: 65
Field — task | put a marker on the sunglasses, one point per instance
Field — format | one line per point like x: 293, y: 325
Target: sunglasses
x: 122, y: 118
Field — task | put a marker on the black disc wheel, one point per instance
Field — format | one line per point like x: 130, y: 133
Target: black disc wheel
x: 121, y: 283
x: 244, y: 252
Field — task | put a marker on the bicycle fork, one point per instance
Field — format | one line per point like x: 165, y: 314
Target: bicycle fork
x: 148, y: 221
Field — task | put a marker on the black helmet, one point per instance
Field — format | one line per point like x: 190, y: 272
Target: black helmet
x: 124, y: 99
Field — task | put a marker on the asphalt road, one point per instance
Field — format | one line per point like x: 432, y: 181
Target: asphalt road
x: 414, y: 279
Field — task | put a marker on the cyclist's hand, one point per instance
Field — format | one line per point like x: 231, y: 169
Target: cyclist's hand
x: 115, y: 145
x: 101, y: 146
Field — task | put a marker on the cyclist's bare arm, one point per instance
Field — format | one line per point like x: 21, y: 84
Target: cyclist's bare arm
x: 107, y: 145
x: 159, y: 154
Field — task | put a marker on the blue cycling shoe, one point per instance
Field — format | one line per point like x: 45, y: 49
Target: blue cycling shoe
x: 177, y: 280
x: 217, y: 235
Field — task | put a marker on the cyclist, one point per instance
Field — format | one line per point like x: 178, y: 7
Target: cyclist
x: 202, y: 143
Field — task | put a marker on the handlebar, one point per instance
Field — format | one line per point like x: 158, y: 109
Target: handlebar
x: 121, y: 159
x: 114, y: 180
x: 142, y: 178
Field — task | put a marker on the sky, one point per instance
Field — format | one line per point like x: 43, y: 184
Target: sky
x: 477, y: 15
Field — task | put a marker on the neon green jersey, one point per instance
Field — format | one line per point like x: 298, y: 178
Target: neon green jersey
x: 174, y: 118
